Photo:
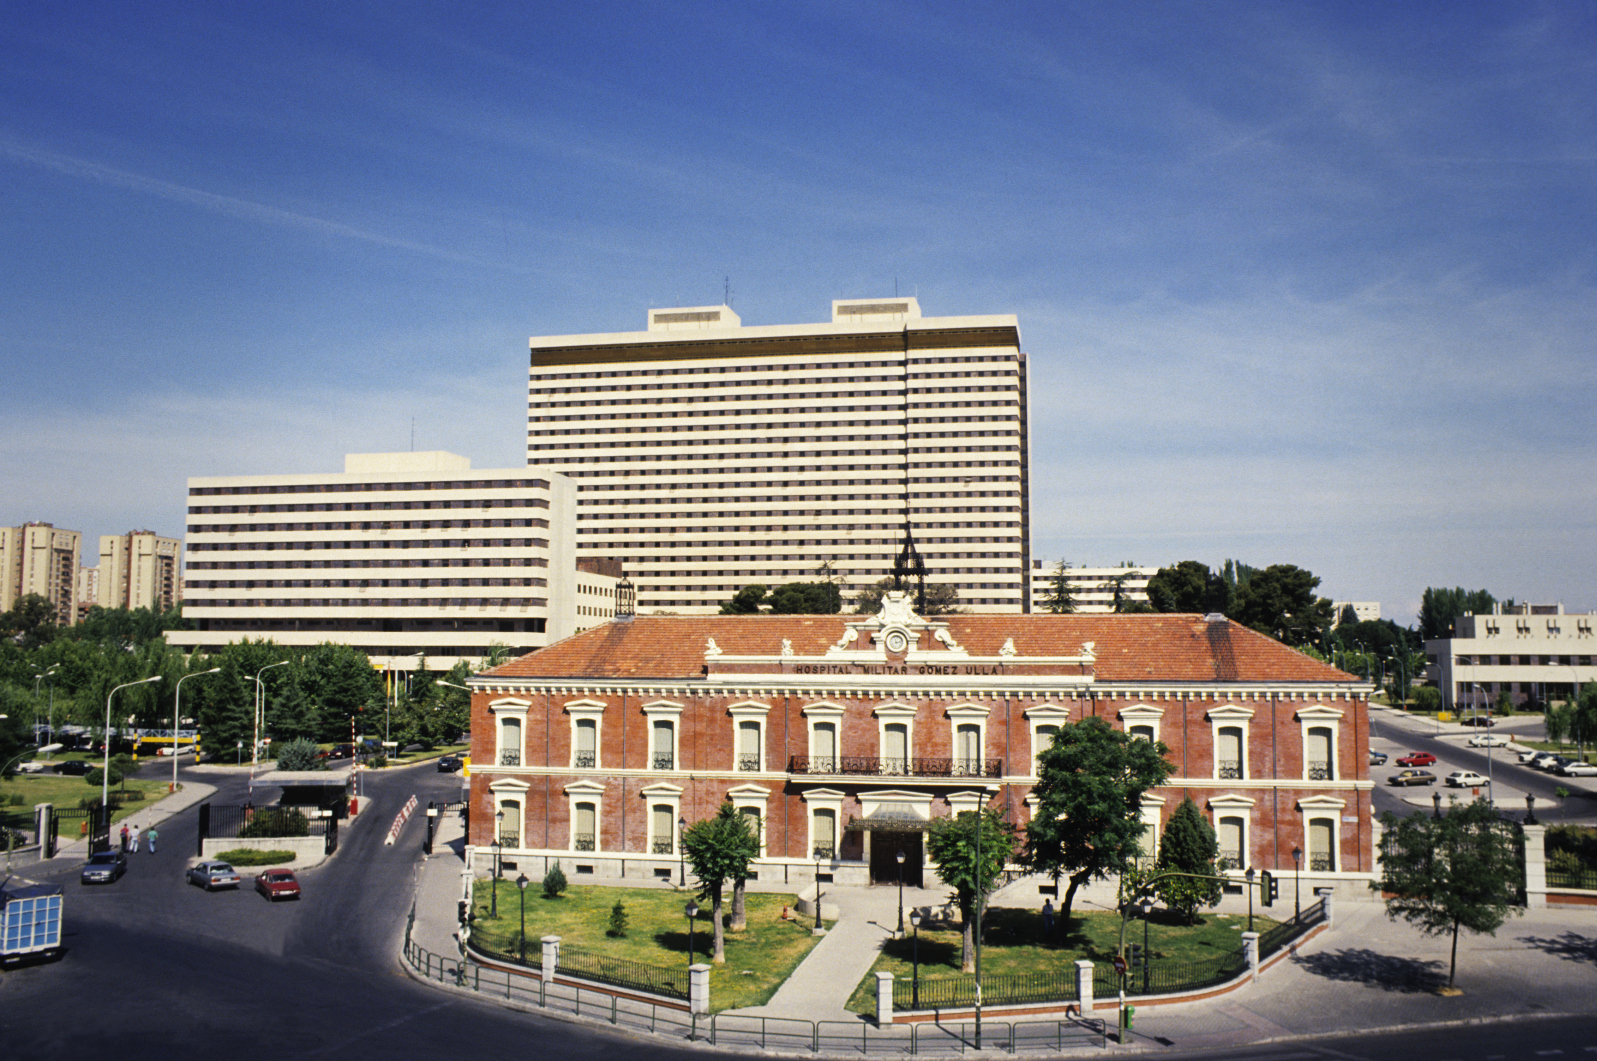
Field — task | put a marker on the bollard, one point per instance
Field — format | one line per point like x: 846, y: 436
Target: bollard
x: 1084, y: 986
x: 551, y: 958
x: 884, y: 999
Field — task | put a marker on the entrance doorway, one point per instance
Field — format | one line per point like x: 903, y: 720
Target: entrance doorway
x: 885, y: 847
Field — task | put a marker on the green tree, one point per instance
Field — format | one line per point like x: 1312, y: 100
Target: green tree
x: 745, y: 601
x: 1087, y: 822
x: 1427, y: 699
x: 1555, y: 723
x: 1236, y: 574
x: 1459, y: 870
x: 942, y: 598
x: 554, y: 882
x: 15, y: 740
x: 618, y: 921
x: 1058, y: 598
x: 1348, y: 617
x: 1280, y: 601
x: 339, y: 682
x: 298, y: 754
x: 1188, y: 846
x: 1186, y: 587
x: 970, y: 852
x: 31, y: 622
x: 806, y: 598
x: 1439, y: 607
x: 719, y: 849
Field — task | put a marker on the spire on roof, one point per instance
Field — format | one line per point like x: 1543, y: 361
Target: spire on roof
x: 910, y: 565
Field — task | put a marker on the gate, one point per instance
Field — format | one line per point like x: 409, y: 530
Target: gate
x: 100, y: 830
x: 331, y: 844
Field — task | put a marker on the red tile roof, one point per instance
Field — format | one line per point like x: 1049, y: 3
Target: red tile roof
x: 1130, y: 648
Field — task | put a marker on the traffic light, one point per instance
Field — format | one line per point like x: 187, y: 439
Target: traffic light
x: 1269, y: 888
x: 1136, y: 956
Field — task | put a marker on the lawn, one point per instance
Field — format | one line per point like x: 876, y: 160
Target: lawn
x: 758, y: 959
x: 65, y: 792
x: 1015, y: 944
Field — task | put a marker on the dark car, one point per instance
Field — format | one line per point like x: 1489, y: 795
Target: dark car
x: 278, y: 884
x: 1417, y: 759
x: 1412, y: 777
x: 1477, y: 720
x: 342, y: 751
x: 449, y: 764
x: 1377, y: 758
x: 75, y: 767
x: 103, y: 867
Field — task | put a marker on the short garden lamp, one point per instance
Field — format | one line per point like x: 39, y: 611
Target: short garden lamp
x: 1436, y: 802
x: 1250, y: 875
x: 914, y: 923
x: 692, y: 910
x: 682, y: 854
x: 1297, y: 884
x: 899, y: 858
x: 521, y: 883
x: 1530, y: 809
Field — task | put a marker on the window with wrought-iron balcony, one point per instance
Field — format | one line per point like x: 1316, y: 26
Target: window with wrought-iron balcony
x: 663, y: 745
x: 509, y: 758
x: 586, y: 754
x: 1228, y: 764
x: 824, y: 759
x: 748, y: 745
x: 1318, y: 754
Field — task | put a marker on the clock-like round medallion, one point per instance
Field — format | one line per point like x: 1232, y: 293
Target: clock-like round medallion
x: 896, y: 641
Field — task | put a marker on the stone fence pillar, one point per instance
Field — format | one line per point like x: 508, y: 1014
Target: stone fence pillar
x: 699, y: 989
x: 1250, y: 953
x: 884, y: 999
x: 1535, y: 866
x: 1328, y: 899
x: 1084, y: 985
x: 551, y: 958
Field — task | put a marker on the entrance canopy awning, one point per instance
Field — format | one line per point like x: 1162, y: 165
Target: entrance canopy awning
x: 891, y: 818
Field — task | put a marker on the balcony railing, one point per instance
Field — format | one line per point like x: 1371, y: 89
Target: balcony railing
x: 586, y: 760
x: 1320, y: 772
x: 509, y: 758
x: 874, y: 766
x: 825, y: 852
x: 664, y: 762
x: 1231, y: 859
x: 748, y: 762
x: 583, y: 842
x: 662, y: 847
x: 507, y: 839
x: 1321, y: 863
x: 1230, y: 769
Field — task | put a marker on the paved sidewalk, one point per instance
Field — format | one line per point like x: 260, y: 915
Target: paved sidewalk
x: 173, y: 803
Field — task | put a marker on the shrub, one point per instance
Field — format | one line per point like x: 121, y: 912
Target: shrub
x: 298, y: 754
x: 1427, y: 699
x: 554, y: 882
x: 248, y: 856
x: 275, y: 821
x: 618, y: 921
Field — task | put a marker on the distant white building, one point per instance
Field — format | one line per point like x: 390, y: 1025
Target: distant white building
x: 138, y: 569
x: 1091, y: 588
x: 1363, y: 610
x: 398, y: 555
x: 42, y: 559
x: 1527, y: 650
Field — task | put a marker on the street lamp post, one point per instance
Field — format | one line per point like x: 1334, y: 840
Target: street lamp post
x: 105, y: 766
x: 49, y: 718
x: 692, y: 910
x: 981, y: 896
x: 1297, y: 884
x: 493, y: 903
x: 260, y: 710
x: 521, y: 883
x: 177, y: 704
x: 817, y: 891
x: 1147, y: 909
x: 682, y: 853
x: 914, y: 991
x: 899, y: 858
x: 1489, y: 792
x: 1250, y: 876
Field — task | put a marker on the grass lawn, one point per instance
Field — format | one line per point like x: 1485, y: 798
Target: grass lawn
x: 1015, y: 944
x: 437, y: 752
x: 65, y: 792
x: 758, y: 959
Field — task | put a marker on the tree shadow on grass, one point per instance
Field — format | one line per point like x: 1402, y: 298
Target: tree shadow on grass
x: 1571, y: 946
x: 1364, y: 966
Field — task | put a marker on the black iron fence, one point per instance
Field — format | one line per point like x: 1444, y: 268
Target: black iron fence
x: 945, y: 992
x: 1274, y: 939
x: 876, y: 766
x: 671, y: 982
x: 1585, y: 879
x: 229, y: 822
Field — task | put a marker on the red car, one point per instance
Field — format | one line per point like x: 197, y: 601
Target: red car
x: 1417, y: 759
x: 278, y: 884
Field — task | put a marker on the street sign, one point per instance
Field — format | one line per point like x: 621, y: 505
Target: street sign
x: 1120, y: 965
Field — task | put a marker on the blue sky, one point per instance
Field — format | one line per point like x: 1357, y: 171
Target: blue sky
x: 1301, y: 283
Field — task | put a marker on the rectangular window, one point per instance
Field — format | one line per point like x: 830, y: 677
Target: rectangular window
x: 1230, y: 837
x: 1322, y: 852
x: 1318, y: 754
x: 1230, y: 758
x: 748, y: 745
x: 662, y: 746
x: 663, y: 829
x: 587, y: 752
x: 510, y: 742
x: 967, y: 750
x: 825, y: 832
x: 825, y: 748
x: 1040, y: 741
x: 584, y: 836
x: 895, y: 751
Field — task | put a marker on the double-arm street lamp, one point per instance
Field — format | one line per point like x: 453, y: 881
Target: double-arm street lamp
x: 105, y: 766
x: 260, y: 712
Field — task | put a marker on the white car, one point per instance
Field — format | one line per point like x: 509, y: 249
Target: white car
x: 1464, y: 779
x: 1528, y: 755
x: 1487, y: 740
x: 1576, y: 768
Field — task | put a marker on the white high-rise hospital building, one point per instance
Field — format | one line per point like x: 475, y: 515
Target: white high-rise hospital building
x: 708, y: 455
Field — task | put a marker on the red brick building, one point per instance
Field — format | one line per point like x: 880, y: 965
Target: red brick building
x: 845, y: 735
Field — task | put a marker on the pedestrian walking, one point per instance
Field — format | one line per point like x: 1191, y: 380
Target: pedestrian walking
x: 1048, y: 917
x: 153, y: 835
x: 124, y: 839
x: 135, y: 838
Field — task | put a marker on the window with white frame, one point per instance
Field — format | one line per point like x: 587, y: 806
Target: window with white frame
x: 1230, y: 723
x: 1142, y: 721
x: 664, y: 734
x: 825, y: 722
x: 750, y: 801
x: 1320, y: 725
x: 585, y: 826
x: 969, y: 723
x: 510, y: 824
x: 896, y: 737
x: 825, y: 815
x: 748, y: 724
x: 510, y: 718
x: 662, y: 829
x: 585, y: 745
x: 1046, y: 722
x: 1232, y: 815
x: 1320, y: 815
x: 1151, y: 811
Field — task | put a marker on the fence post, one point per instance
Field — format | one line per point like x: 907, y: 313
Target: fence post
x: 1325, y: 903
x: 1250, y: 953
x: 1084, y: 986
x: 551, y: 958
x: 698, y: 989
x: 884, y: 998
x: 1535, y: 866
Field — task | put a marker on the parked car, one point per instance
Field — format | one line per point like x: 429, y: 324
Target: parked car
x: 449, y: 764
x: 1531, y: 758
x: 278, y: 884
x: 75, y: 767
x: 104, y: 867
x: 1551, y: 764
x: 342, y: 751
x: 1464, y: 779
x: 1377, y: 758
x: 1576, y: 768
x: 1412, y: 777
x: 1487, y: 740
x: 1477, y: 720
x: 213, y: 875
x: 1417, y: 759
